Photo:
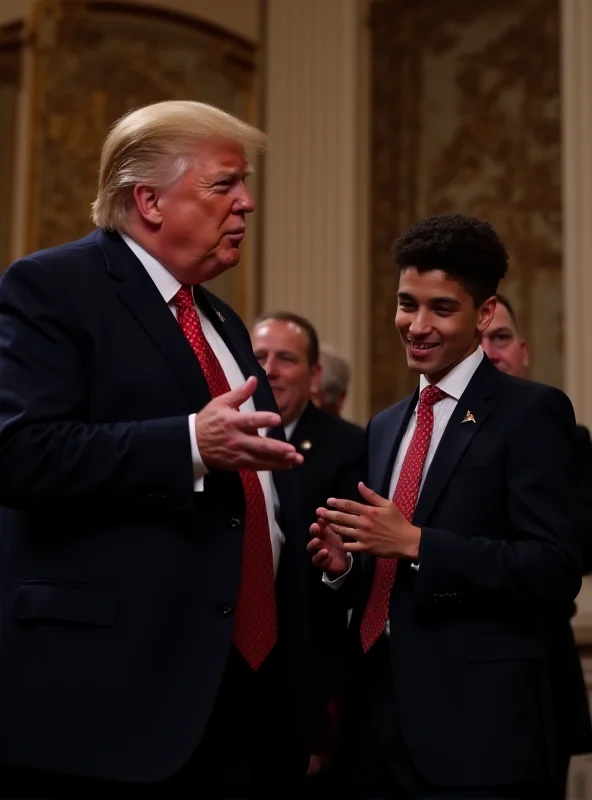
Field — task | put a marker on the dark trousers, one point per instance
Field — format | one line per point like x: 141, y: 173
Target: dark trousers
x: 246, y: 751
x: 382, y: 766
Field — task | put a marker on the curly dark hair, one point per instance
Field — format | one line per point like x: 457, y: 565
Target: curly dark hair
x: 465, y: 248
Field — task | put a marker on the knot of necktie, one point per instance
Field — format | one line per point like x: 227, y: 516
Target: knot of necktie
x: 184, y: 297
x: 431, y: 395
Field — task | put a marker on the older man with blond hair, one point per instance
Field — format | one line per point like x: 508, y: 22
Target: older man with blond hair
x: 154, y: 621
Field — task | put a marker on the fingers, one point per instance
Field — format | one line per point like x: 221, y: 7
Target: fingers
x: 252, y: 421
x: 270, y: 453
x: 355, y: 547
x: 236, y: 397
x: 339, y: 518
x: 322, y: 560
x: 371, y: 496
x: 350, y: 506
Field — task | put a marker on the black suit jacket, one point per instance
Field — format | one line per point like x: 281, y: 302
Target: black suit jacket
x: 117, y: 581
x: 498, y: 554
x: 584, y: 451
x: 334, y: 463
x: 570, y: 694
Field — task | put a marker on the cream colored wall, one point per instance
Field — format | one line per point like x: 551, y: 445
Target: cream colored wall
x: 237, y: 16
x: 576, y: 64
x: 315, y: 218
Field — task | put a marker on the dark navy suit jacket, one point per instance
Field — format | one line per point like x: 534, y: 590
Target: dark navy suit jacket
x: 498, y: 558
x: 117, y: 581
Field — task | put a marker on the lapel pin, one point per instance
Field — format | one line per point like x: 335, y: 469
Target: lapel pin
x: 220, y: 317
x: 305, y: 445
x: 469, y: 417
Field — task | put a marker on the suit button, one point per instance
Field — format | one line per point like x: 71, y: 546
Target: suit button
x: 234, y: 522
x: 225, y: 609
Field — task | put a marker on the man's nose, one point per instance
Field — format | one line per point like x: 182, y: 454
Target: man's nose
x: 269, y: 365
x: 490, y: 352
x: 419, y: 325
x: 244, y: 203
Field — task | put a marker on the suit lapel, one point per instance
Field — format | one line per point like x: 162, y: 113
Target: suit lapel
x: 381, y: 466
x: 476, y: 401
x: 138, y: 292
x: 304, y: 436
x: 238, y: 346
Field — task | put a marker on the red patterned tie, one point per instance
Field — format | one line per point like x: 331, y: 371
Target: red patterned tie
x: 255, y: 630
x: 405, y: 498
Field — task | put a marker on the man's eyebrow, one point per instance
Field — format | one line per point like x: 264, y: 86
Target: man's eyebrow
x: 449, y: 301
x: 233, y: 173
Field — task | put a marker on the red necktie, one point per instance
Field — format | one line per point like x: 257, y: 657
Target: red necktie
x: 405, y: 498
x: 255, y: 630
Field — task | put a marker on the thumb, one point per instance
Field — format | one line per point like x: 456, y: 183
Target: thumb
x: 236, y: 397
x: 371, y: 496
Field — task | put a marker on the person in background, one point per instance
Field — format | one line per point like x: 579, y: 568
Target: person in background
x: 286, y: 345
x: 465, y: 542
x: 329, y: 390
x: 507, y: 349
x: 155, y: 635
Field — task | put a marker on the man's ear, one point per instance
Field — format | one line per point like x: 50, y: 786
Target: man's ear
x: 485, y: 314
x: 148, y: 200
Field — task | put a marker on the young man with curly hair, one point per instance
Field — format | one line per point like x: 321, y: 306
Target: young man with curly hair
x: 464, y: 544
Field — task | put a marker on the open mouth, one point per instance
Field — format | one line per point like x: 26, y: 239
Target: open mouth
x: 421, y: 349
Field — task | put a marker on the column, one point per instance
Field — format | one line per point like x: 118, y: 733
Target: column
x: 314, y: 238
x: 576, y: 64
x: 576, y: 68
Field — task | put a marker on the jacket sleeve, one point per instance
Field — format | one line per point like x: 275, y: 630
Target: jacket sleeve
x: 536, y: 561
x: 49, y: 451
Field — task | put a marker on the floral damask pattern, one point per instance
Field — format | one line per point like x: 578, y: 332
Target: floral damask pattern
x: 94, y: 62
x: 466, y: 117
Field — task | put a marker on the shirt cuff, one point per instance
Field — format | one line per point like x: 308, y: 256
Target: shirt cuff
x: 199, y: 468
x: 338, y: 582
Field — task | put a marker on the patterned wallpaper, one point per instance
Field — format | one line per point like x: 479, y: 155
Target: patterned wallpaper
x: 93, y: 61
x: 466, y: 117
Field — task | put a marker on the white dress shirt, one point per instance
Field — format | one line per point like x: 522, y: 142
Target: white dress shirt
x: 289, y: 428
x: 168, y: 286
x: 453, y: 384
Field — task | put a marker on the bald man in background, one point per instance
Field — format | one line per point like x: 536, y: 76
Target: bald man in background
x: 507, y: 350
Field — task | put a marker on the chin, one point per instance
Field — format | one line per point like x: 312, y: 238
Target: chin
x: 413, y: 366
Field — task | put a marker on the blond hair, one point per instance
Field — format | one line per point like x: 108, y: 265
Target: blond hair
x: 152, y: 145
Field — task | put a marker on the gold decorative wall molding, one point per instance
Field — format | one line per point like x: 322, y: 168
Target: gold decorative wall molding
x: 12, y: 38
x: 94, y: 61
x: 466, y: 117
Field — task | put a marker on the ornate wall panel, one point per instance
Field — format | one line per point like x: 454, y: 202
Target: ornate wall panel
x: 466, y: 117
x: 95, y: 61
x: 11, y: 37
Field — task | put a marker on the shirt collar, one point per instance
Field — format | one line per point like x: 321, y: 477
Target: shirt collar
x: 457, y: 380
x: 165, y: 282
x: 289, y: 429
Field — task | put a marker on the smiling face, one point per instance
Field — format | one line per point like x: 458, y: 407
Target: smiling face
x: 195, y: 226
x: 438, y: 321
x: 282, y: 350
